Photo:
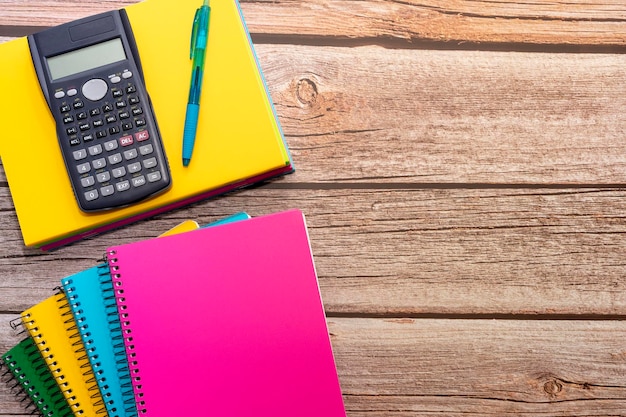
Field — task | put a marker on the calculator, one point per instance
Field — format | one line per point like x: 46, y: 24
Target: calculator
x: 91, y: 76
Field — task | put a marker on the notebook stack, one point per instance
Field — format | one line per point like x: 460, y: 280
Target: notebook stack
x: 221, y: 320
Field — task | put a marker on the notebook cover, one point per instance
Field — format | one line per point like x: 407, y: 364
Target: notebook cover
x: 102, y: 338
x: 239, y: 138
x: 53, y: 329
x: 91, y: 298
x: 227, y: 321
x: 30, y: 372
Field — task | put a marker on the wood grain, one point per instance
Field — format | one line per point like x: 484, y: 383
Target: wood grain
x: 370, y: 115
x: 406, y: 252
x: 507, y: 23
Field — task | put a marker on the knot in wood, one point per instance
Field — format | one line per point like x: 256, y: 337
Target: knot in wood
x: 306, y: 90
x: 552, y: 387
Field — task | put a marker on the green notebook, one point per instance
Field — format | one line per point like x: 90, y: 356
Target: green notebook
x: 29, y: 370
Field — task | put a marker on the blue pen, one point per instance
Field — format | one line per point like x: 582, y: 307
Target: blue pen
x: 199, y: 37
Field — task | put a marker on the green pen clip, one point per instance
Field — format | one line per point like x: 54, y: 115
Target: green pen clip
x: 194, y: 33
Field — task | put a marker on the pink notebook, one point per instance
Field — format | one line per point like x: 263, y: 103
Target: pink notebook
x: 227, y: 321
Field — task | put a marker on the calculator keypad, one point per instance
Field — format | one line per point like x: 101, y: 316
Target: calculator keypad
x: 112, y: 150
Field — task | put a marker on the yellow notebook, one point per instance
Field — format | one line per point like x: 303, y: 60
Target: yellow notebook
x: 53, y: 329
x: 239, y: 140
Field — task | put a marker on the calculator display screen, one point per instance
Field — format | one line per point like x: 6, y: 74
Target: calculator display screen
x: 85, y: 59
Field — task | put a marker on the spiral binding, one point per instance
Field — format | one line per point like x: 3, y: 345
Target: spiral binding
x: 17, y: 383
x: 57, y: 373
x: 115, y: 330
x: 117, y: 292
x: 27, y: 389
x: 37, y: 337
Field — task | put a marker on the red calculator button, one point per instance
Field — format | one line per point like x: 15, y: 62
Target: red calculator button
x: 143, y: 135
x: 126, y: 140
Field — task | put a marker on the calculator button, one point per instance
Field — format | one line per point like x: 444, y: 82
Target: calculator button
x: 138, y: 111
x: 119, y: 172
x: 99, y: 163
x: 87, y: 181
x: 103, y: 176
x: 101, y: 134
x: 84, y: 126
x: 146, y: 149
x: 131, y: 89
x: 111, y: 119
x: 78, y: 105
x: 68, y: 119
x: 107, y: 108
x: 127, y: 74
x: 126, y: 140
x: 79, y: 154
x: 65, y: 108
x: 116, y: 158
x: 113, y: 130
x: 136, y: 167
x: 133, y: 100
x: 59, y: 94
x: 95, y: 150
x: 88, y: 137
x: 94, y: 112
x: 71, y: 130
x: 91, y: 195
x: 139, y: 181
x: 130, y: 154
x: 140, y: 122
x: 150, y: 163
x: 95, y: 89
x: 83, y: 168
x: 72, y: 92
x: 115, y: 79
x: 123, y: 185
x: 118, y: 93
x: 154, y: 176
x: 107, y: 191
x: 74, y: 141
x: 143, y: 135
x: 82, y: 115
x: 110, y: 145
x: 127, y: 126
x: 124, y: 115
x: 98, y: 123
x: 120, y: 104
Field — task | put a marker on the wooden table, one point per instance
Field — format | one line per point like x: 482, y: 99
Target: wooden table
x: 462, y: 167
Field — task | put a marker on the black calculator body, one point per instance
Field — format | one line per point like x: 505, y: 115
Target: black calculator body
x: 91, y: 77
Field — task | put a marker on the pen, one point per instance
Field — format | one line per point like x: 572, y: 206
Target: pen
x: 199, y: 37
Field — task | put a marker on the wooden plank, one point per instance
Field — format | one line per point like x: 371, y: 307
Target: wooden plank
x: 480, y: 367
x: 429, y: 367
x: 401, y: 252
x: 455, y: 23
x: 508, y: 23
x: 455, y: 117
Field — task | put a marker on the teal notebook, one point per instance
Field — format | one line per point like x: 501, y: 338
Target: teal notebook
x: 92, y: 300
x: 89, y: 294
x: 30, y: 371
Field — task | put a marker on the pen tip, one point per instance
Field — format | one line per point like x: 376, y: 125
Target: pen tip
x: 186, y: 162
x: 206, y: 3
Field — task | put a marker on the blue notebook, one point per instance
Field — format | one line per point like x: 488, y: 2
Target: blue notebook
x: 92, y: 300
x: 90, y: 295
